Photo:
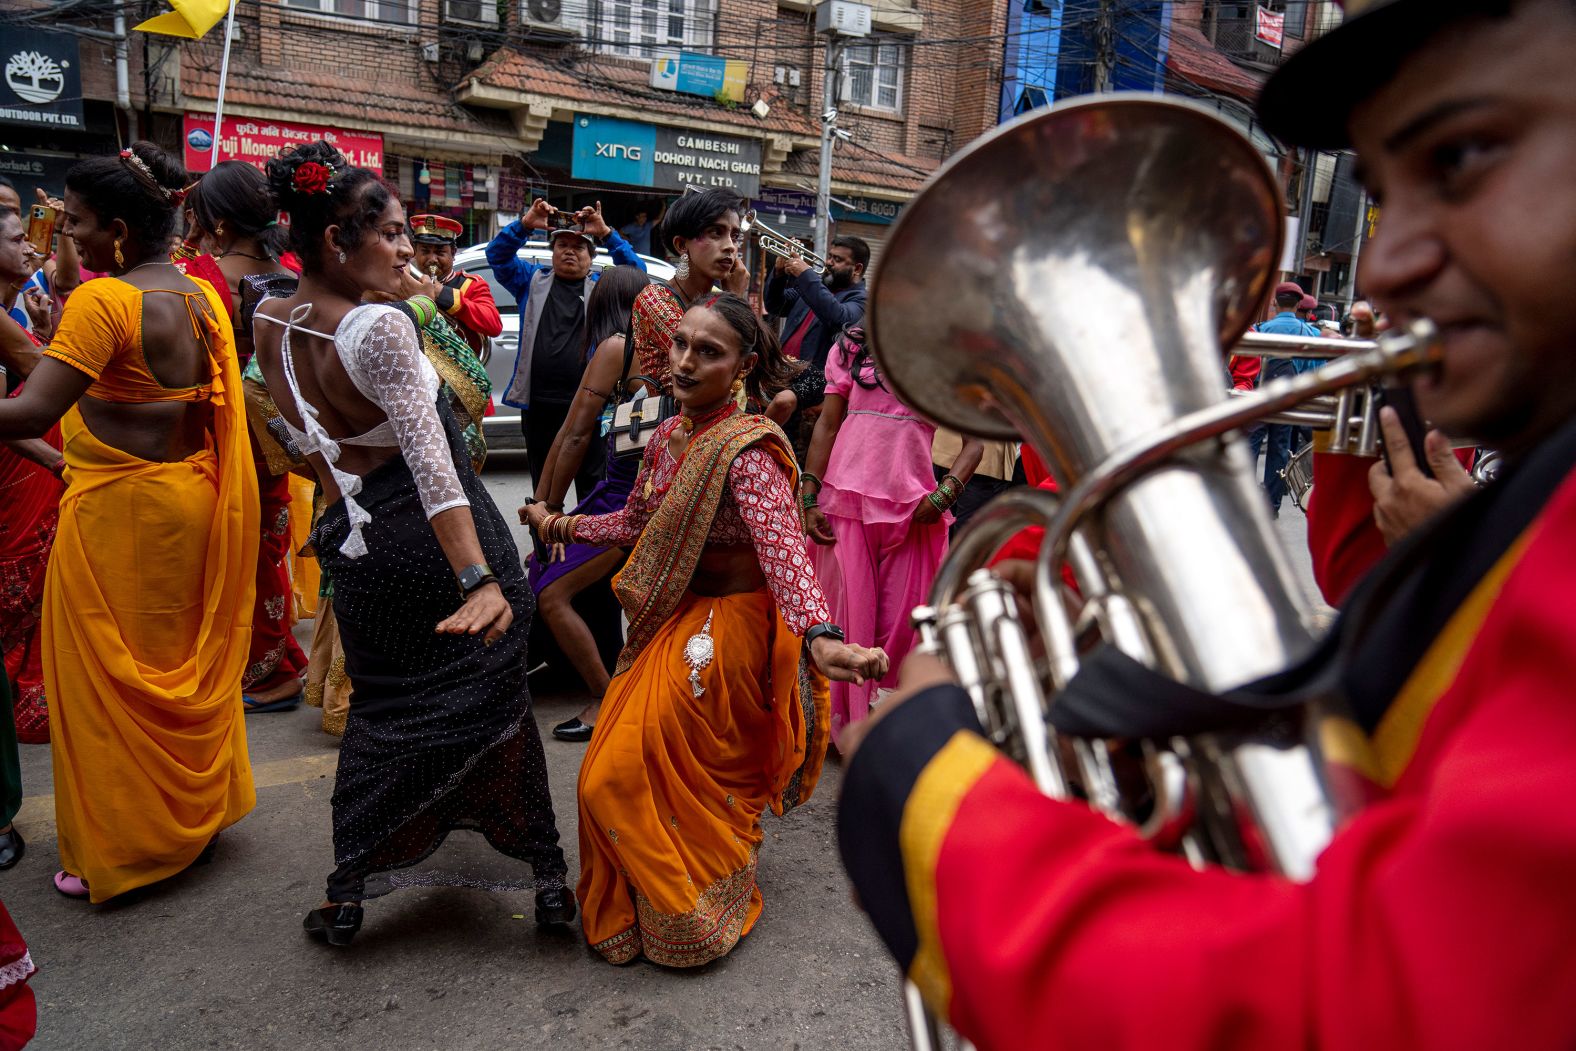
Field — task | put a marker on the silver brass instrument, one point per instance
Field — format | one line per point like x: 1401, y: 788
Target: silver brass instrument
x: 778, y: 244
x: 1116, y: 245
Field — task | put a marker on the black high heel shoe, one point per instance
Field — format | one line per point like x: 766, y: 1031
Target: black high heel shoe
x: 554, y: 906
x: 12, y: 847
x: 335, y: 924
x: 573, y: 730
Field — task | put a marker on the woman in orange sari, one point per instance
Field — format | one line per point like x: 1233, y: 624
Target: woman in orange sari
x: 148, y: 597
x: 719, y: 708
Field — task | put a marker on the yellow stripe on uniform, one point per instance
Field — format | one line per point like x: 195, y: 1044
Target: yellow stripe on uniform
x: 1396, y: 738
x: 927, y: 815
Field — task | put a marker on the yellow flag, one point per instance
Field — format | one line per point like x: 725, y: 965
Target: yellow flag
x: 190, y: 19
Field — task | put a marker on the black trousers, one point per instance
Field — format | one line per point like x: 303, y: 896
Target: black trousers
x: 540, y: 424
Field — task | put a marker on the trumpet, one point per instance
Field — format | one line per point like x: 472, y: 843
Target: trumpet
x: 778, y: 244
x: 1125, y: 241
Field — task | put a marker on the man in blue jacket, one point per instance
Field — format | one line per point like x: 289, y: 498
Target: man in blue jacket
x: 818, y: 307
x: 1288, y: 297
x: 552, y: 305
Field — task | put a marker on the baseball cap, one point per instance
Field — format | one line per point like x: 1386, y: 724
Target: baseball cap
x: 553, y: 235
x: 1309, y: 99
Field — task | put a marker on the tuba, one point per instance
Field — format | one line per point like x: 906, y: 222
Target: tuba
x: 1115, y: 247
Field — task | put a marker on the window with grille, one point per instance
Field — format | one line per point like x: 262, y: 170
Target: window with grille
x: 643, y: 28
x: 873, y: 76
x: 402, y: 12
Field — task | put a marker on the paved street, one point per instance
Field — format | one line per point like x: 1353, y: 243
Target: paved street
x: 215, y: 958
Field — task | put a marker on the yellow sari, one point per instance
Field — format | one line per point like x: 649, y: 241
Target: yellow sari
x: 147, y: 614
x: 673, y: 786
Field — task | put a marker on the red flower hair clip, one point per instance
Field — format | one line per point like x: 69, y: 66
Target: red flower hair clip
x: 312, y: 178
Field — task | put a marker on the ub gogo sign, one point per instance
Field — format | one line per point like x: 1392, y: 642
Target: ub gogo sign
x: 624, y: 151
x: 43, y: 84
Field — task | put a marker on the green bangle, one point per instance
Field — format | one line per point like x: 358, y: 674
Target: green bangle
x: 936, y: 501
x: 806, y: 476
x: 809, y: 500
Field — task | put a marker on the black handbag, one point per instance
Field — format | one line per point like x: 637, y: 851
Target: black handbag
x: 634, y: 421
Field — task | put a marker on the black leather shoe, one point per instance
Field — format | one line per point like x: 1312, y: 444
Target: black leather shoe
x: 574, y: 731
x: 12, y: 847
x: 335, y: 924
x: 554, y: 906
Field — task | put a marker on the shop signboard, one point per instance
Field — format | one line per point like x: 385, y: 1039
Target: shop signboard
x: 30, y: 170
x: 257, y: 141
x: 866, y: 210
x: 705, y: 75
x: 772, y: 200
x: 1270, y: 27
x: 631, y: 153
x: 43, y: 79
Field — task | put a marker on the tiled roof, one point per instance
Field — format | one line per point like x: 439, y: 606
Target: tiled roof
x: 321, y: 98
x: 893, y: 172
x: 591, y: 78
x: 1193, y: 58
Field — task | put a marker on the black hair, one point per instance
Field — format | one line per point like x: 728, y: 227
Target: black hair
x: 115, y: 188
x: 855, y: 351
x: 1289, y: 300
x: 610, y: 303
x: 5, y: 180
x: 772, y: 370
x: 694, y: 212
x: 354, y: 199
x: 236, y: 193
x: 857, y: 247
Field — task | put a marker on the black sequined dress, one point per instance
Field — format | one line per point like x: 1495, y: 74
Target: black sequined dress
x: 440, y: 734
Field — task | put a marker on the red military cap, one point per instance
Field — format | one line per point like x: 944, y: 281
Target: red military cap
x: 435, y: 230
x: 1308, y: 303
x: 1309, y: 100
x: 1289, y: 288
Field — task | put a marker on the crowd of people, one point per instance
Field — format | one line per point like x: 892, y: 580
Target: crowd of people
x: 295, y: 377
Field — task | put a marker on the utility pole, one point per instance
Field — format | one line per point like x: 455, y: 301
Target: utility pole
x: 834, y: 19
x: 1310, y: 169
x: 1104, y: 46
x: 823, y: 185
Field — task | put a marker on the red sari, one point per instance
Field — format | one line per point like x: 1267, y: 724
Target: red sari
x: 29, y: 509
x: 275, y: 657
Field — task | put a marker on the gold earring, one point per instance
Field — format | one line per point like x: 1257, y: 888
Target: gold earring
x: 738, y: 385
x: 120, y: 260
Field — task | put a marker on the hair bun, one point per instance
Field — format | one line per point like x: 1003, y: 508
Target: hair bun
x: 290, y: 184
x: 168, y: 172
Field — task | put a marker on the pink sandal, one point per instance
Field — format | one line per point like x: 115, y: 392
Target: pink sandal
x: 69, y: 885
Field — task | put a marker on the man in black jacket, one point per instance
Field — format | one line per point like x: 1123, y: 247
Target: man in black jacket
x: 818, y: 307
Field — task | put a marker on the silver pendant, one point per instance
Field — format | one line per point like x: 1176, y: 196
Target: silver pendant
x: 698, y: 652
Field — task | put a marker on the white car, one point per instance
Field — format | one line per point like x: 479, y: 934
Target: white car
x: 503, y: 429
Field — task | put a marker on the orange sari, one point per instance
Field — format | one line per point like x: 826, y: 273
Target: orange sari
x: 147, y: 612
x: 673, y: 786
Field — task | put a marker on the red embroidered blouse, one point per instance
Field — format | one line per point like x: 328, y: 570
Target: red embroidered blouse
x: 758, y: 508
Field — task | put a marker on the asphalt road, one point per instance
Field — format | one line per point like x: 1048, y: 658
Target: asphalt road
x: 215, y: 957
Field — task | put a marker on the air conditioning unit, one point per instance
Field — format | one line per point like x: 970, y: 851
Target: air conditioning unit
x: 559, y: 17
x: 472, y: 12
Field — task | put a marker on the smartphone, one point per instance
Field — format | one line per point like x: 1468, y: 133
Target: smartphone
x: 41, y: 228
x: 1400, y: 399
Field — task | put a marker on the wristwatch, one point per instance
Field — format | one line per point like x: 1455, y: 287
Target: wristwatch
x: 831, y: 631
x: 475, y: 576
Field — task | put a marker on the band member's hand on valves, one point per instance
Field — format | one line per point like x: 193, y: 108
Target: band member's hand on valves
x: 1406, y: 498
x: 796, y: 266
x: 846, y: 662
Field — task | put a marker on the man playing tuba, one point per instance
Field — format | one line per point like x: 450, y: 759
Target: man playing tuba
x: 1440, y: 916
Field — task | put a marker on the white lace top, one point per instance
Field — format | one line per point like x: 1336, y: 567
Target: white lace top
x: 381, y: 353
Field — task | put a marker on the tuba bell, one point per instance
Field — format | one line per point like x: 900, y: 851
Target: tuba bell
x: 1115, y: 247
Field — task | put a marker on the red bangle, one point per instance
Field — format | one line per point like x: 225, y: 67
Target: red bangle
x: 58, y: 468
